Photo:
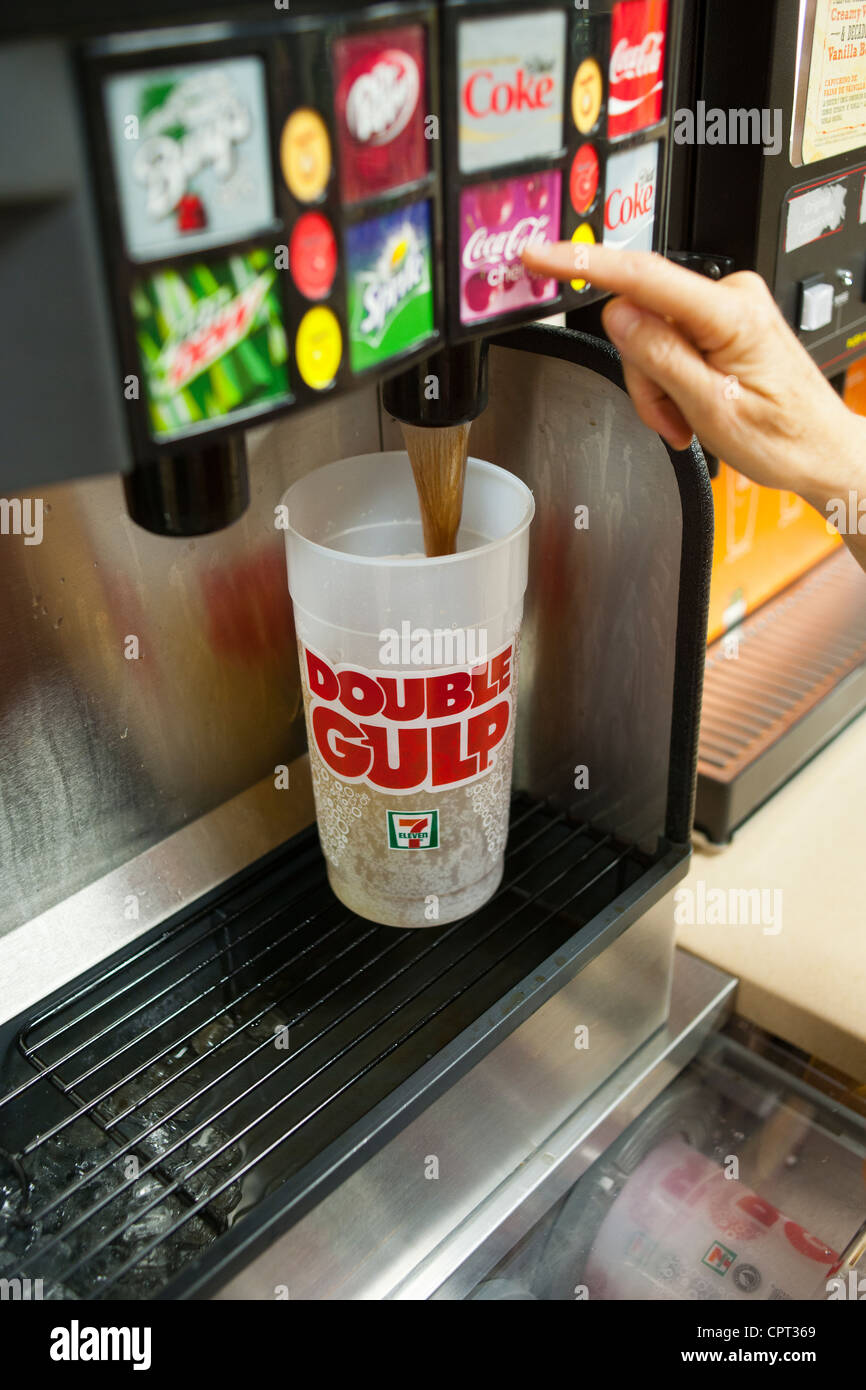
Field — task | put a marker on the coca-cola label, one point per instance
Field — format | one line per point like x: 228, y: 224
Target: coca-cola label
x: 497, y: 222
x: 380, y: 82
x: 630, y: 198
x: 510, y: 77
x: 191, y: 155
x: 409, y: 732
x: 637, y: 66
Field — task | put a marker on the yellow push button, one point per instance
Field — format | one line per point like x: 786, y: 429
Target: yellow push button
x: 305, y: 154
x: 585, y: 236
x: 319, y: 347
x: 586, y: 96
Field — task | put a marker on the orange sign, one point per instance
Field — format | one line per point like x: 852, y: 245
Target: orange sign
x: 766, y: 539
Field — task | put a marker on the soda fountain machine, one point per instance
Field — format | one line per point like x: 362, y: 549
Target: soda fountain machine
x: 771, y: 177
x: 226, y: 237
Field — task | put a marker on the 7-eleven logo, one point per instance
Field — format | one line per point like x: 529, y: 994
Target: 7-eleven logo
x: 413, y: 829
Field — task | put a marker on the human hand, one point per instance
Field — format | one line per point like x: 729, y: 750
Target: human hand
x: 718, y: 359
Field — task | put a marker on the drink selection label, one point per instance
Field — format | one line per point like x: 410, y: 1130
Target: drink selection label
x: 211, y: 341
x: 380, y: 82
x: 390, y: 270
x: 637, y: 66
x: 510, y: 88
x: 497, y: 222
x: 191, y: 155
x: 630, y: 198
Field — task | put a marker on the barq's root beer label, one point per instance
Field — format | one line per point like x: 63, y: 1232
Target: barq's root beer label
x: 194, y: 170
x: 381, y: 79
x: 637, y: 66
x: 406, y: 733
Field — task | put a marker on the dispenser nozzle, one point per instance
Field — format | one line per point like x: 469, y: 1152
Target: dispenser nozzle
x: 447, y: 388
x: 190, y: 494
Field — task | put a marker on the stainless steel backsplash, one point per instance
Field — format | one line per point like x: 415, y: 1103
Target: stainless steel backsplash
x: 102, y: 755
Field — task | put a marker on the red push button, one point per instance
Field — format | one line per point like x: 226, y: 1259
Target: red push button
x: 313, y: 255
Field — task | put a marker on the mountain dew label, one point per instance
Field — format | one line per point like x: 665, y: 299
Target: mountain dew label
x: 212, y: 343
x: 390, y: 285
x: 191, y: 155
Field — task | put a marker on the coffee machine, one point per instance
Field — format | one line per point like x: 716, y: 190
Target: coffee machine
x: 280, y: 230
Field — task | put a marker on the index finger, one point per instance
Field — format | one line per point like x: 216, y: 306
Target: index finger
x: 709, y: 315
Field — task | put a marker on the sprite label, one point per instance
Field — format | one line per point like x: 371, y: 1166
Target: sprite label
x: 212, y: 342
x: 390, y: 286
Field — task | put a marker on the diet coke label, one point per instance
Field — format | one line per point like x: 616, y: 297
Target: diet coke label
x: 498, y: 221
x: 511, y: 72
x: 637, y: 64
x: 630, y: 198
x: 380, y: 81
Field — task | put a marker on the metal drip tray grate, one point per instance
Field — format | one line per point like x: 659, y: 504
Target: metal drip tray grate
x: 259, y: 1044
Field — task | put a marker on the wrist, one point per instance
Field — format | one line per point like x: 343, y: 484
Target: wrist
x: 835, y: 481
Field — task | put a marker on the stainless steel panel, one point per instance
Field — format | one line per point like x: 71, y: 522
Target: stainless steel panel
x: 519, y: 1116
x: 597, y: 647
x: 477, y: 1133
x: 42, y: 955
x: 102, y: 755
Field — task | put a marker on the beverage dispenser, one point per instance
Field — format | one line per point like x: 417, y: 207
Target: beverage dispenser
x: 771, y: 178
x: 264, y: 218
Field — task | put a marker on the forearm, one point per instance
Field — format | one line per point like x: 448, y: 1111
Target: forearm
x: 836, y: 485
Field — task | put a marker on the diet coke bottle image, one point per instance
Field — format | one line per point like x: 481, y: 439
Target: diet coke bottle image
x: 637, y: 66
x: 497, y: 222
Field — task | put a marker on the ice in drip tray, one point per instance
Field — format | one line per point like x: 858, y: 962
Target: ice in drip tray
x: 49, y: 1231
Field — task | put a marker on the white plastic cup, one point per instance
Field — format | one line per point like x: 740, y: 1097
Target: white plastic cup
x: 409, y: 677
x: 682, y: 1229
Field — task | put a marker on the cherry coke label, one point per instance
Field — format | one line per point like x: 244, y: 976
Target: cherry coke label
x: 380, y: 81
x: 630, y: 198
x: 497, y: 222
x: 406, y: 732
x: 637, y: 66
x: 510, y: 76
